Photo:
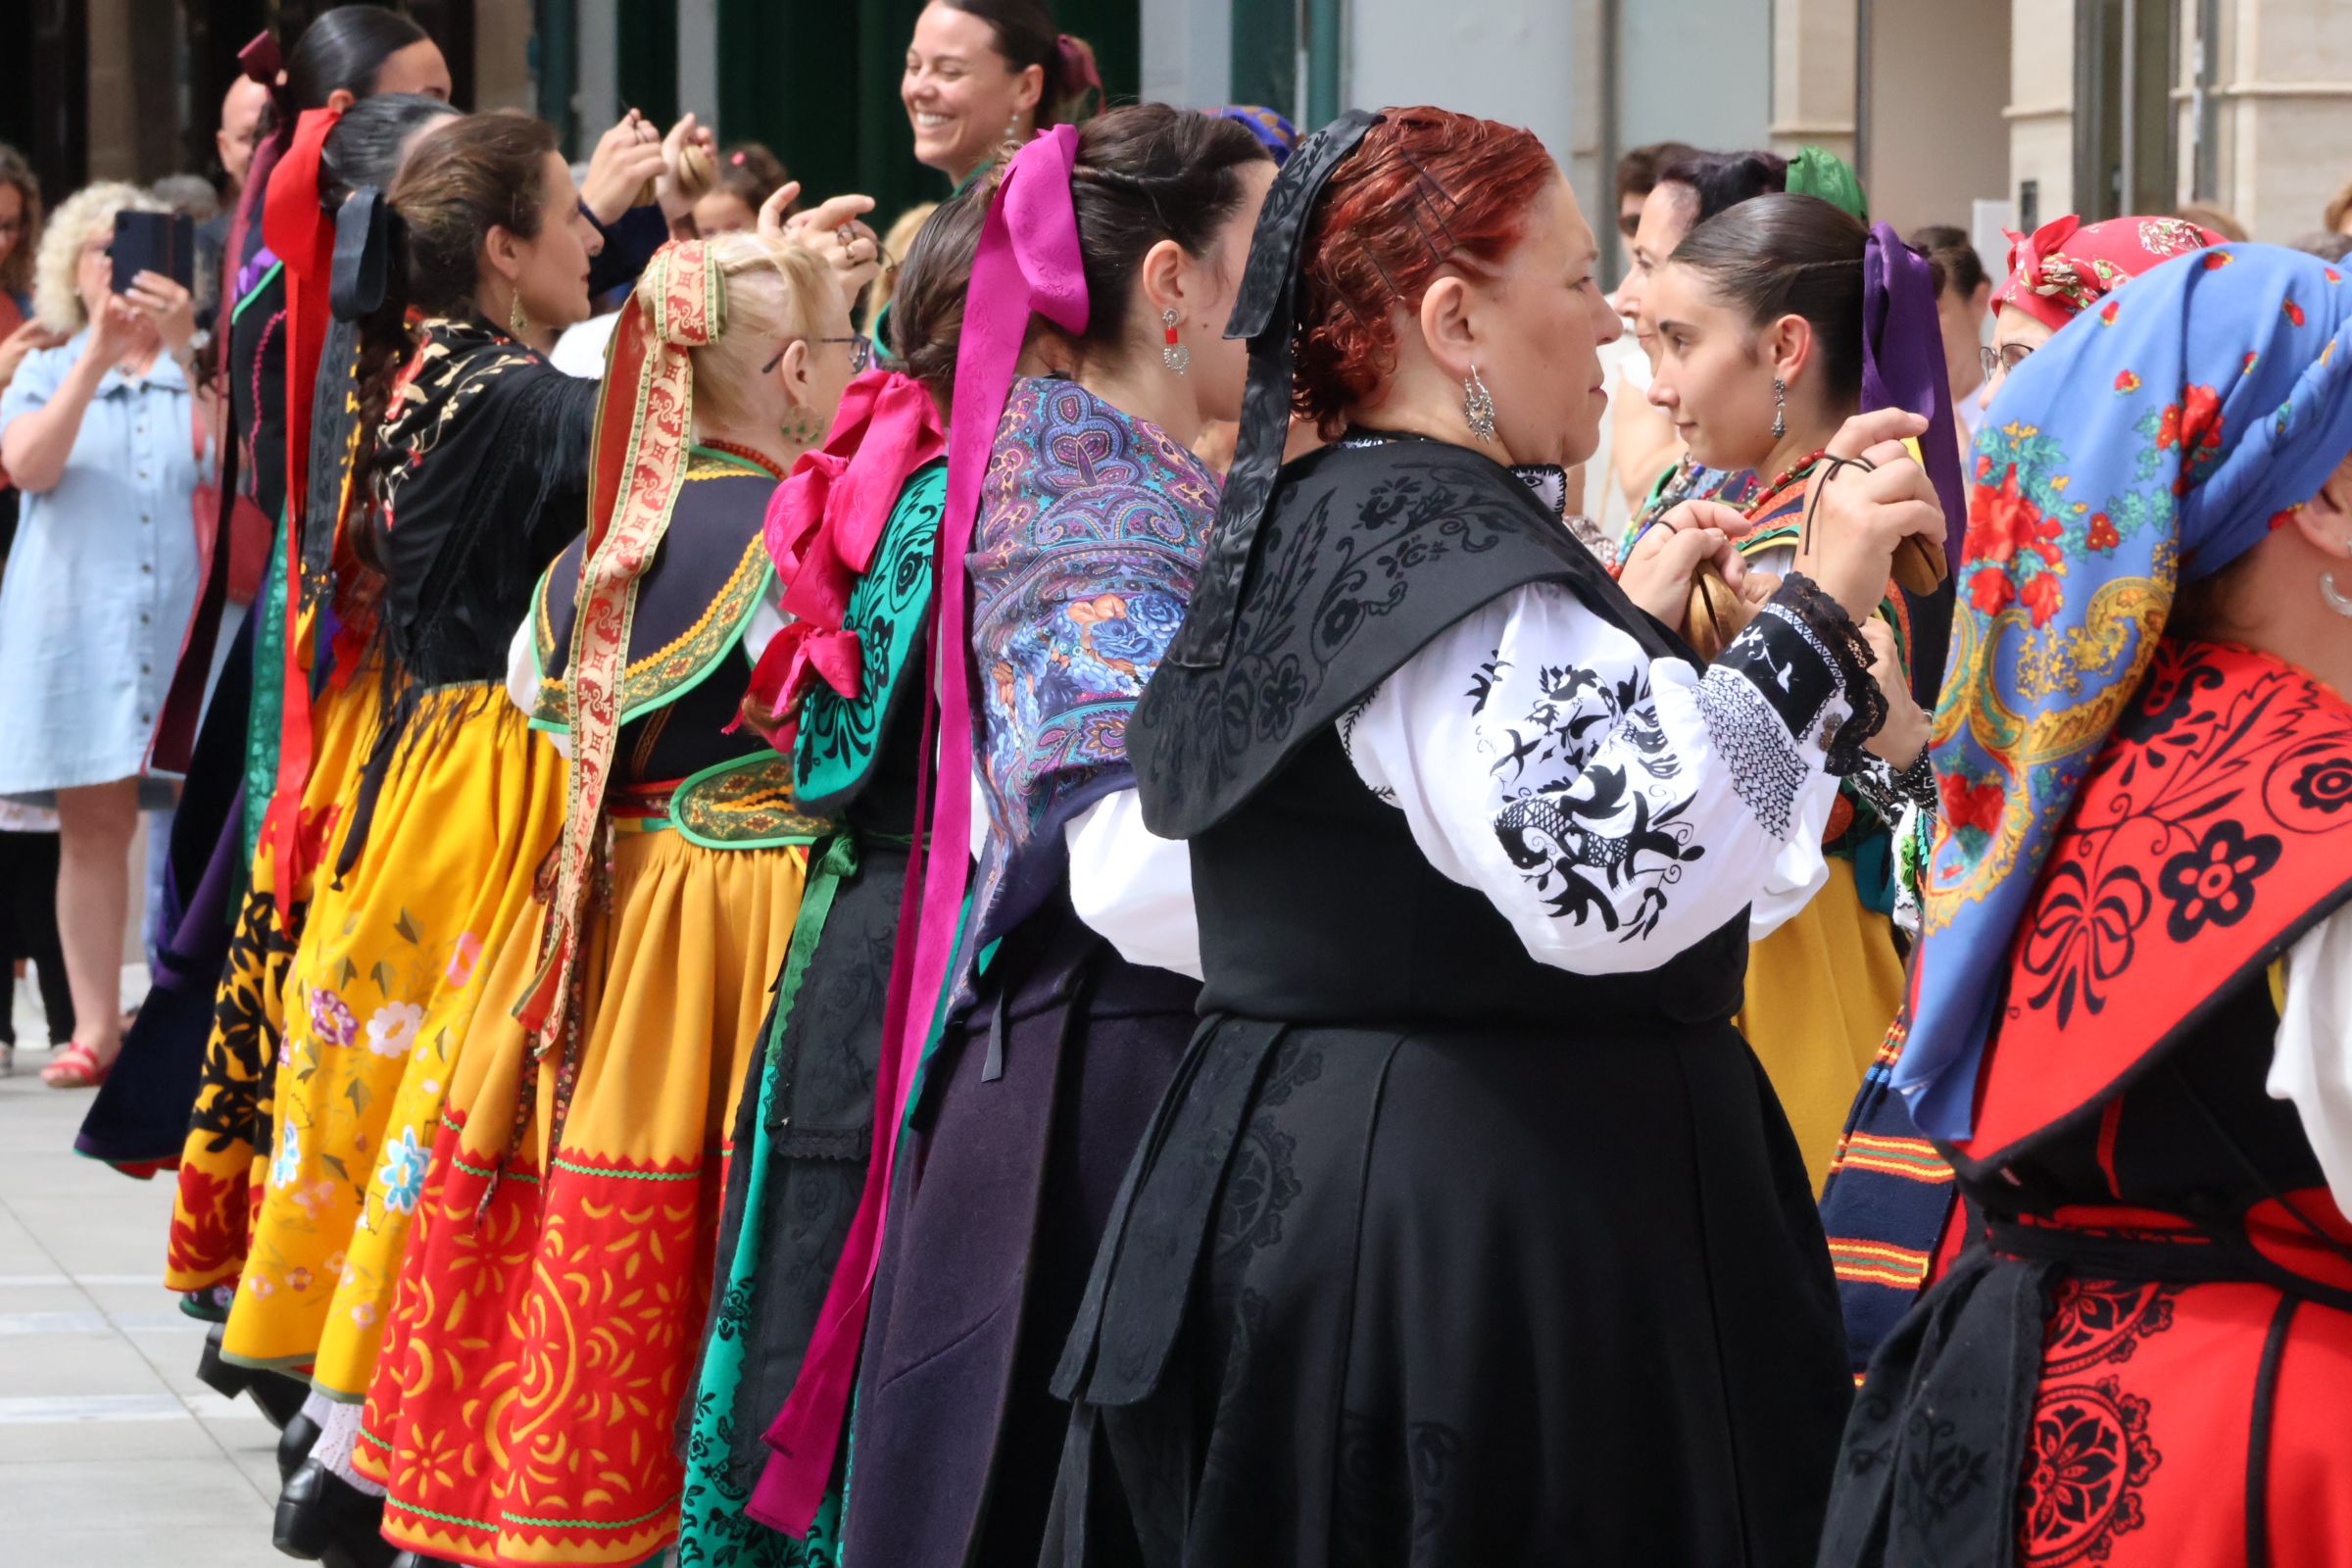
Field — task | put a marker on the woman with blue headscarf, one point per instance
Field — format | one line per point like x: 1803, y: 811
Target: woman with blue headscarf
x: 2129, y: 1020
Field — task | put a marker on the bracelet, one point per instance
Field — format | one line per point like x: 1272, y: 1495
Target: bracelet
x: 1916, y: 783
x: 1802, y: 596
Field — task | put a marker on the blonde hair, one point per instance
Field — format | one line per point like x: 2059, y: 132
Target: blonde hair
x: 56, y: 301
x: 770, y: 290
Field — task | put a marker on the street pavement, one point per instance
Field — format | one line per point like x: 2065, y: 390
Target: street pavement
x: 112, y: 1454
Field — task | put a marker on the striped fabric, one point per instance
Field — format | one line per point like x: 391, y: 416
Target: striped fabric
x: 1888, y: 1197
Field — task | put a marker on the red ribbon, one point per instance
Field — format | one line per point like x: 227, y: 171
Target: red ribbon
x: 304, y: 239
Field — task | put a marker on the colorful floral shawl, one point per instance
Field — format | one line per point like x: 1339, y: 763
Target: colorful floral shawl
x: 2153, y: 441
x: 1092, y: 529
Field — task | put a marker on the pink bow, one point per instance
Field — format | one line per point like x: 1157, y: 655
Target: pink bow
x: 823, y: 524
x: 1028, y: 262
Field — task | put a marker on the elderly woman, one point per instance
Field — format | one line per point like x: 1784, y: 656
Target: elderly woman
x: 2127, y: 1029
x: 100, y: 434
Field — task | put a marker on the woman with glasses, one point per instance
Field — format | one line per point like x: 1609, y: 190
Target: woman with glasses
x: 579, y: 1149
x: 2065, y: 267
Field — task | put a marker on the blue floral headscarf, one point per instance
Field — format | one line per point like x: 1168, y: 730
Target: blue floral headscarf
x: 2152, y: 442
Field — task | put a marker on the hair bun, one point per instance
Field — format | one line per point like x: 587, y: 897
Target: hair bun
x: 1075, y: 73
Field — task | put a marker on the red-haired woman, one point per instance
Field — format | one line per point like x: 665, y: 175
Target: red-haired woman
x: 1470, y: 1231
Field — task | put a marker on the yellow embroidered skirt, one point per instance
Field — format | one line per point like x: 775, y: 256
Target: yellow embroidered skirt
x: 526, y: 1406
x: 224, y: 1165
x: 384, y: 985
x: 1821, y: 993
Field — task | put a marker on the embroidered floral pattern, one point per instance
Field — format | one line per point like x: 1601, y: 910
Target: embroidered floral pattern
x: 2090, y: 1458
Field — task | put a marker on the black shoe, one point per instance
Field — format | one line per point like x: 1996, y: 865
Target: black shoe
x: 324, y: 1518
x: 279, y: 1397
x: 418, y: 1559
x: 294, y: 1445
x: 276, y: 1396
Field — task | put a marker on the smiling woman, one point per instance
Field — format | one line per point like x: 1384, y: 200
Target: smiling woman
x: 983, y: 76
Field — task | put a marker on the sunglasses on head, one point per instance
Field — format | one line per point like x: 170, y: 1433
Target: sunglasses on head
x: 862, y: 353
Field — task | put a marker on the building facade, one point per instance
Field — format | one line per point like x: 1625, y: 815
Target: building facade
x: 1971, y: 112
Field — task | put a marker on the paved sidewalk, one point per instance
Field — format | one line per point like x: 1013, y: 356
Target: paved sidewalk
x: 112, y: 1454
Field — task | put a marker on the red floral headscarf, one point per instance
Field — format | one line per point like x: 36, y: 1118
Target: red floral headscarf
x: 2062, y: 267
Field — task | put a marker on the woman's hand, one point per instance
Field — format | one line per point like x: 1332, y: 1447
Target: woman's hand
x: 772, y: 219
x: 668, y: 190
x: 832, y: 230
x: 1905, y: 735
x: 1858, y: 519
x: 627, y: 159
x: 115, y: 330
x: 1657, y: 570
x: 170, y: 305
x: 23, y: 341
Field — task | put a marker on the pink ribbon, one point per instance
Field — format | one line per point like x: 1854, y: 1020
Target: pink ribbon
x: 1028, y: 262
x: 823, y: 524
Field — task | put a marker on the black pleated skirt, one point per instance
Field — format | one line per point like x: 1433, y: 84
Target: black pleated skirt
x: 1457, y: 1297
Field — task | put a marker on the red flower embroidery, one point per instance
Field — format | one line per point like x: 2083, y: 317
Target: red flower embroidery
x: 2332, y: 275
x: 2215, y: 261
x: 2102, y: 532
x: 2249, y: 365
x: 1966, y: 804
x: 2126, y: 381
x: 2194, y: 424
x: 2042, y: 596
x: 2294, y: 312
x: 2005, y: 521
x: 2107, y: 312
x: 2280, y: 520
x: 1990, y: 590
x: 1984, y: 466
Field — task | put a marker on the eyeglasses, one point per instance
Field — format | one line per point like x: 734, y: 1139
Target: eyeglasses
x: 862, y: 353
x: 2004, y: 360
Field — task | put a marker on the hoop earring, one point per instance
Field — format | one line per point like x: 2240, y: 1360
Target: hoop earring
x: 1478, y: 405
x: 1176, y: 357
x: 2336, y: 598
x: 518, y: 326
x: 1780, y: 408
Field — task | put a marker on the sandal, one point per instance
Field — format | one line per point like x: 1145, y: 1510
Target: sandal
x: 75, y: 1068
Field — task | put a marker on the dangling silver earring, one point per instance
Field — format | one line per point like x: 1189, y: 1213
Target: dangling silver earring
x: 2335, y: 596
x: 1175, y: 356
x: 518, y: 326
x: 1012, y: 138
x: 1780, y: 408
x: 1478, y: 407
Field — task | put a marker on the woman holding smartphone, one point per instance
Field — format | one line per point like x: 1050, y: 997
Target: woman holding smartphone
x: 100, y: 435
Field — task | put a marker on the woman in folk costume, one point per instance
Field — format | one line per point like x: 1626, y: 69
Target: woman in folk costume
x: 224, y: 1160
x: 1888, y: 1209
x: 2128, y: 1022
x: 475, y: 457
x: 1114, y: 253
x: 1469, y: 1230
x: 1778, y: 319
x: 546, y: 1322
x: 841, y: 692
x: 219, y: 724
x: 1652, y: 464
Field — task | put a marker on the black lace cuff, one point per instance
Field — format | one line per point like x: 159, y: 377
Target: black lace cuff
x: 1800, y: 596
x: 1916, y: 783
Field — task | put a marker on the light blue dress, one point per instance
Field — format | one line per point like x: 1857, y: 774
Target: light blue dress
x: 101, y: 582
